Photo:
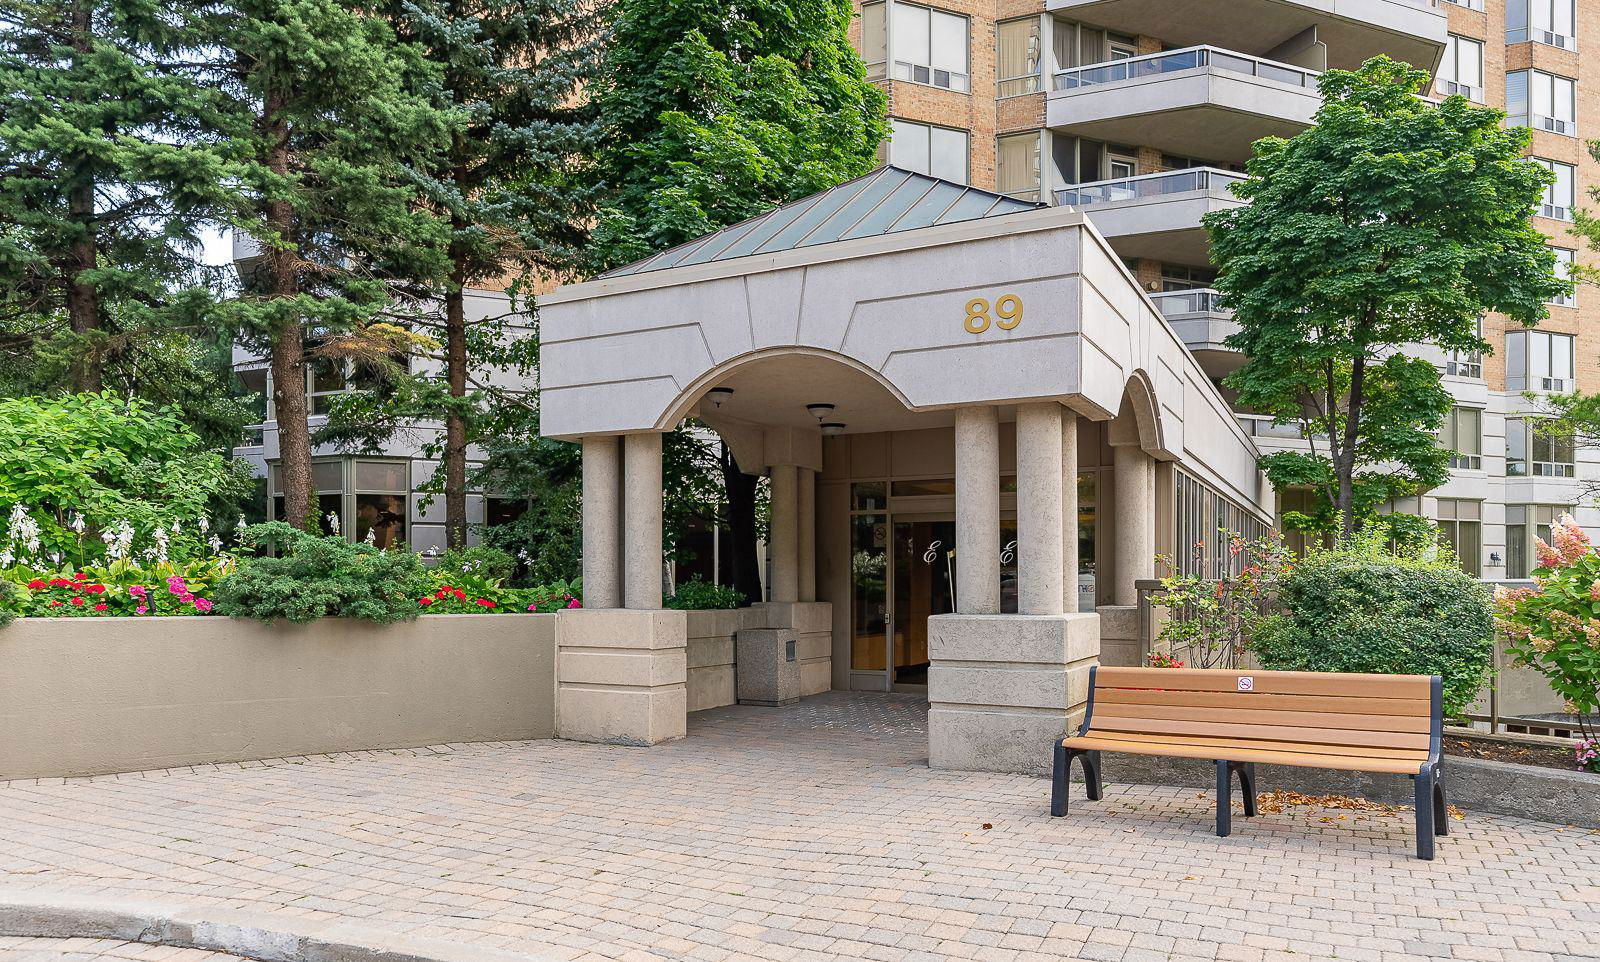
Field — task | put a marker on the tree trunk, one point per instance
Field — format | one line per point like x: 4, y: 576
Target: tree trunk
x: 741, y: 572
x: 288, y: 340
x: 83, y: 300
x: 1344, y: 465
x: 455, y: 427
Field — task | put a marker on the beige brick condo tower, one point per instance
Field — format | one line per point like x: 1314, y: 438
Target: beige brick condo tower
x: 972, y: 356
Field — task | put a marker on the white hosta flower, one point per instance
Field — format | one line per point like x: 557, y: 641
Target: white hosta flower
x: 202, y: 524
x: 119, y: 540
x: 215, y: 543
x: 6, y: 557
x: 333, y: 521
x: 161, y: 538
x: 522, y: 553
x: 55, y: 558
x: 78, y: 524
x: 176, y: 527
x: 372, y: 536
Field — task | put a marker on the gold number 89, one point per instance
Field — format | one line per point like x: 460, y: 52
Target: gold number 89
x: 1009, y: 309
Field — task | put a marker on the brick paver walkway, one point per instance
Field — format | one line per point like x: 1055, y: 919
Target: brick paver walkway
x: 805, y: 833
x: 100, y: 950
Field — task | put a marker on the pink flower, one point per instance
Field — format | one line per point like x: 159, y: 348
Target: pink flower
x: 202, y: 605
x: 574, y: 603
x: 138, y: 591
x: 142, y: 609
x: 1568, y: 544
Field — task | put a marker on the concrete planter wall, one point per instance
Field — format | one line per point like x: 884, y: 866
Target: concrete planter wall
x: 87, y: 696
x: 712, y: 682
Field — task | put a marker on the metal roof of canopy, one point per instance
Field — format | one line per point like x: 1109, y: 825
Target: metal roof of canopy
x: 885, y: 201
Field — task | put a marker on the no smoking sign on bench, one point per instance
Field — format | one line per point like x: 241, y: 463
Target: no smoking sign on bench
x: 1365, y: 723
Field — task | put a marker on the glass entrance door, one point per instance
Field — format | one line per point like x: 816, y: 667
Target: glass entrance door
x: 924, y: 585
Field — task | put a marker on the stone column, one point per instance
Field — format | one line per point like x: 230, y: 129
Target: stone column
x: 642, y: 493
x: 977, y: 511
x: 1069, y: 510
x: 621, y: 671
x: 602, y: 522
x: 1039, y: 501
x: 1134, y: 484
x: 785, y: 578
x: 806, y: 520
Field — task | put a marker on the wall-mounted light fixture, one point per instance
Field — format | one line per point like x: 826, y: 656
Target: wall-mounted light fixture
x: 820, y: 410
x: 1494, y: 557
x: 832, y: 428
x: 718, y: 395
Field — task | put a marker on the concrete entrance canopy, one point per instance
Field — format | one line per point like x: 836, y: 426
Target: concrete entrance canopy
x: 908, y: 303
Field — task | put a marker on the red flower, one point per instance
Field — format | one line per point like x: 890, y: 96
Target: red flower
x: 35, y: 584
x: 441, y: 592
x: 78, y: 602
x: 97, y: 589
x: 424, y: 602
x: 485, y: 602
x: 55, y: 604
x: 460, y: 595
x: 59, y: 582
x: 100, y: 607
x: 80, y: 576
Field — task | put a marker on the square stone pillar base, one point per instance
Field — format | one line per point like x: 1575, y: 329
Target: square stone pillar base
x: 1000, y: 687
x: 1119, y: 636
x: 784, y: 652
x: 620, y: 675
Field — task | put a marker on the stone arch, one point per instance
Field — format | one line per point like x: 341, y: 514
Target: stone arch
x: 684, y: 403
x: 1139, y: 416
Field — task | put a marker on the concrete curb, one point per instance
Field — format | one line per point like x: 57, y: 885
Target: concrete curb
x: 261, y: 936
x: 1475, y: 785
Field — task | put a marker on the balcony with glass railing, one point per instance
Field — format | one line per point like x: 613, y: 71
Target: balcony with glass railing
x: 1196, y: 318
x: 1156, y: 216
x: 1200, y: 101
x: 1354, y: 30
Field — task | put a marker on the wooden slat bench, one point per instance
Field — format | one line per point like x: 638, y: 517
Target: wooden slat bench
x: 1365, y: 723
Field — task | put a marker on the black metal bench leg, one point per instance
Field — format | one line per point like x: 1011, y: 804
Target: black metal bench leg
x: 1091, y: 775
x: 1224, y: 790
x: 1441, y: 810
x: 1059, y: 782
x: 1425, y: 799
x: 1247, y: 784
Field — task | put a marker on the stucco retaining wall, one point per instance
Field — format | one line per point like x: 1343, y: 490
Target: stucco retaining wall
x: 87, y: 696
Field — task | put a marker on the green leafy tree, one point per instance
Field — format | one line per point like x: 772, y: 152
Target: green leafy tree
x: 113, y: 151
x: 1390, y: 223
x: 715, y: 112
x: 514, y: 189
x: 342, y: 113
x: 718, y: 111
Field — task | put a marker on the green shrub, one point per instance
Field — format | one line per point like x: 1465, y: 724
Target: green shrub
x: 1361, y: 607
x: 480, y: 562
x: 10, y: 598
x: 697, y: 595
x: 91, y: 476
x: 313, y: 577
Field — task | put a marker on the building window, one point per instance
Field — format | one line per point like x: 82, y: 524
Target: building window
x: 1564, y: 260
x: 1469, y: 4
x: 1017, y: 166
x: 1560, y: 196
x: 1179, y: 277
x: 1204, y: 521
x: 1542, y: 101
x: 1541, y: 21
x: 1534, y: 453
x: 875, y: 39
x: 1524, y: 523
x: 1077, y: 159
x: 380, y: 489
x: 1461, y: 71
x: 1466, y: 363
x: 1462, y: 434
x: 327, y: 487
x: 936, y: 151
x: 930, y: 47
x: 1461, y: 527
x: 1017, y: 54
x: 1538, y: 361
